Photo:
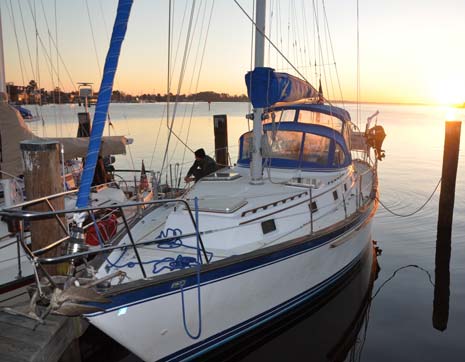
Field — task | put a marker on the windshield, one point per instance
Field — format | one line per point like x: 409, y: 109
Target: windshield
x: 321, y: 119
x: 287, y: 115
x: 295, y: 148
x: 284, y: 144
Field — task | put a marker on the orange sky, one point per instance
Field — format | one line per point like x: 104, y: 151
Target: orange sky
x: 411, y: 51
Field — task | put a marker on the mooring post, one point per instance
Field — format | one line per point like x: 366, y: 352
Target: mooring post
x: 42, y: 178
x: 220, y: 126
x: 83, y: 124
x: 444, y: 230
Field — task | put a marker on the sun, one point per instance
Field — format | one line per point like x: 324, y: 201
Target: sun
x: 451, y: 92
x: 451, y: 114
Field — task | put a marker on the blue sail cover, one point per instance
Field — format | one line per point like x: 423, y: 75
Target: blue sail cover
x: 103, y: 101
x: 266, y: 87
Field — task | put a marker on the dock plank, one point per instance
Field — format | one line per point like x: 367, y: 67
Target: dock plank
x: 16, y: 350
x: 19, y: 341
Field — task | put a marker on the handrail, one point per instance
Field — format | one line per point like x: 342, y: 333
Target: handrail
x: 32, y: 215
x: 59, y: 259
x: 54, y: 196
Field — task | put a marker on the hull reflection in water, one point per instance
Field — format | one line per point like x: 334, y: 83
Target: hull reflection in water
x: 329, y: 329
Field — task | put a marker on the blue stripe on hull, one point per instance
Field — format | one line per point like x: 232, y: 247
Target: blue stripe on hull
x: 226, y: 336
x: 147, y: 294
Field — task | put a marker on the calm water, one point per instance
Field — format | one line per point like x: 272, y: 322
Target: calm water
x: 399, y: 326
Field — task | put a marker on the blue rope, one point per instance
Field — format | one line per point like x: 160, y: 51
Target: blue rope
x: 199, y: 261
x: 181, y: 262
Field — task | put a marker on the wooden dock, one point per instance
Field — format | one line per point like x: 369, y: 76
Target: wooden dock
x: 23, y: 339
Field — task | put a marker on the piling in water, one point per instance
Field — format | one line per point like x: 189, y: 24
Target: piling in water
x: 446, y: 211
x: 220, y: 124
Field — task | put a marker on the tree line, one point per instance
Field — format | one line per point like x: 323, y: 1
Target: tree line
x: 32, y: 94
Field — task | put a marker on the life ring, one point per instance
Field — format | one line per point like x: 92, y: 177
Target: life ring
x: 107, y: 229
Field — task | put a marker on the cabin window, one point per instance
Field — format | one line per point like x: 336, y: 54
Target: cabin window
x: 247, y: 145
x: 287, y: 115
x: 268, y: 226
x: 316, y: 149
x: 335, y: 195
x: 284, y: 144
x: 313, y: 206
x: 321, y: 119
x: 339, y: 156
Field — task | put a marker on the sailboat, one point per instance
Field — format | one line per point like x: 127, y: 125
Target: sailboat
x: 245, y: 244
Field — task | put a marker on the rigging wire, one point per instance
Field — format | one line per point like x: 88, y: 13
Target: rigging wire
x: 332, y: 52
x: 173, y: 152
x: 48, y: 56
x: 305, y: 36
x: 27, y: 40
x: 252, y: 44
x: 102, y: 13
x: 49, y: 41
x: 171, y: 75
x: 20, y: 61
x: 51, y: 63
x: 359, y: 116
x: 327, y: 35
x: 60, y: 114
x: 198, y: 79
x: 181, y: 78
x: 38, y: 82
x: 178, y: 43
x: 168, y: 81
x: 274, y: 46
x: 202, y: 27
x: 93, y: 38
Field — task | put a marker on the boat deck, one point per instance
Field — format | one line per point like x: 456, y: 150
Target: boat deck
x: 247, y: 218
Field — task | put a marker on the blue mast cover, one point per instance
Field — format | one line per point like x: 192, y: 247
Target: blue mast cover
x: 266, y: 87
x: 103, y: 100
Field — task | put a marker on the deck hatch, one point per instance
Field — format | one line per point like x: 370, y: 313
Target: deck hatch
x: 225, y: 205
x: 311, y: 182
x: 222, y: 176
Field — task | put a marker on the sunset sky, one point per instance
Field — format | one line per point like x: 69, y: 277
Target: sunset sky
x: 411, y: 51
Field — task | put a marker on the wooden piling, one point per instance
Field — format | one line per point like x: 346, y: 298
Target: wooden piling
x: 42, y: 178
x: 444, y: 229
x: 84, y: 124
x: 220, y: 124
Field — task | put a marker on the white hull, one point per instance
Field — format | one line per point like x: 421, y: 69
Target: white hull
x: 232, y: 302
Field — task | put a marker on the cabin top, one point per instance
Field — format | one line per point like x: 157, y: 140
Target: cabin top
x: 303, y: 136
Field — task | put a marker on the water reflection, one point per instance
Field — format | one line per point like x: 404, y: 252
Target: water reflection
x: 330, y: 329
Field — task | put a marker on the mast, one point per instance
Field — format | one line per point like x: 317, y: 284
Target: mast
x: 3, y: 93
x: 256, y: 163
